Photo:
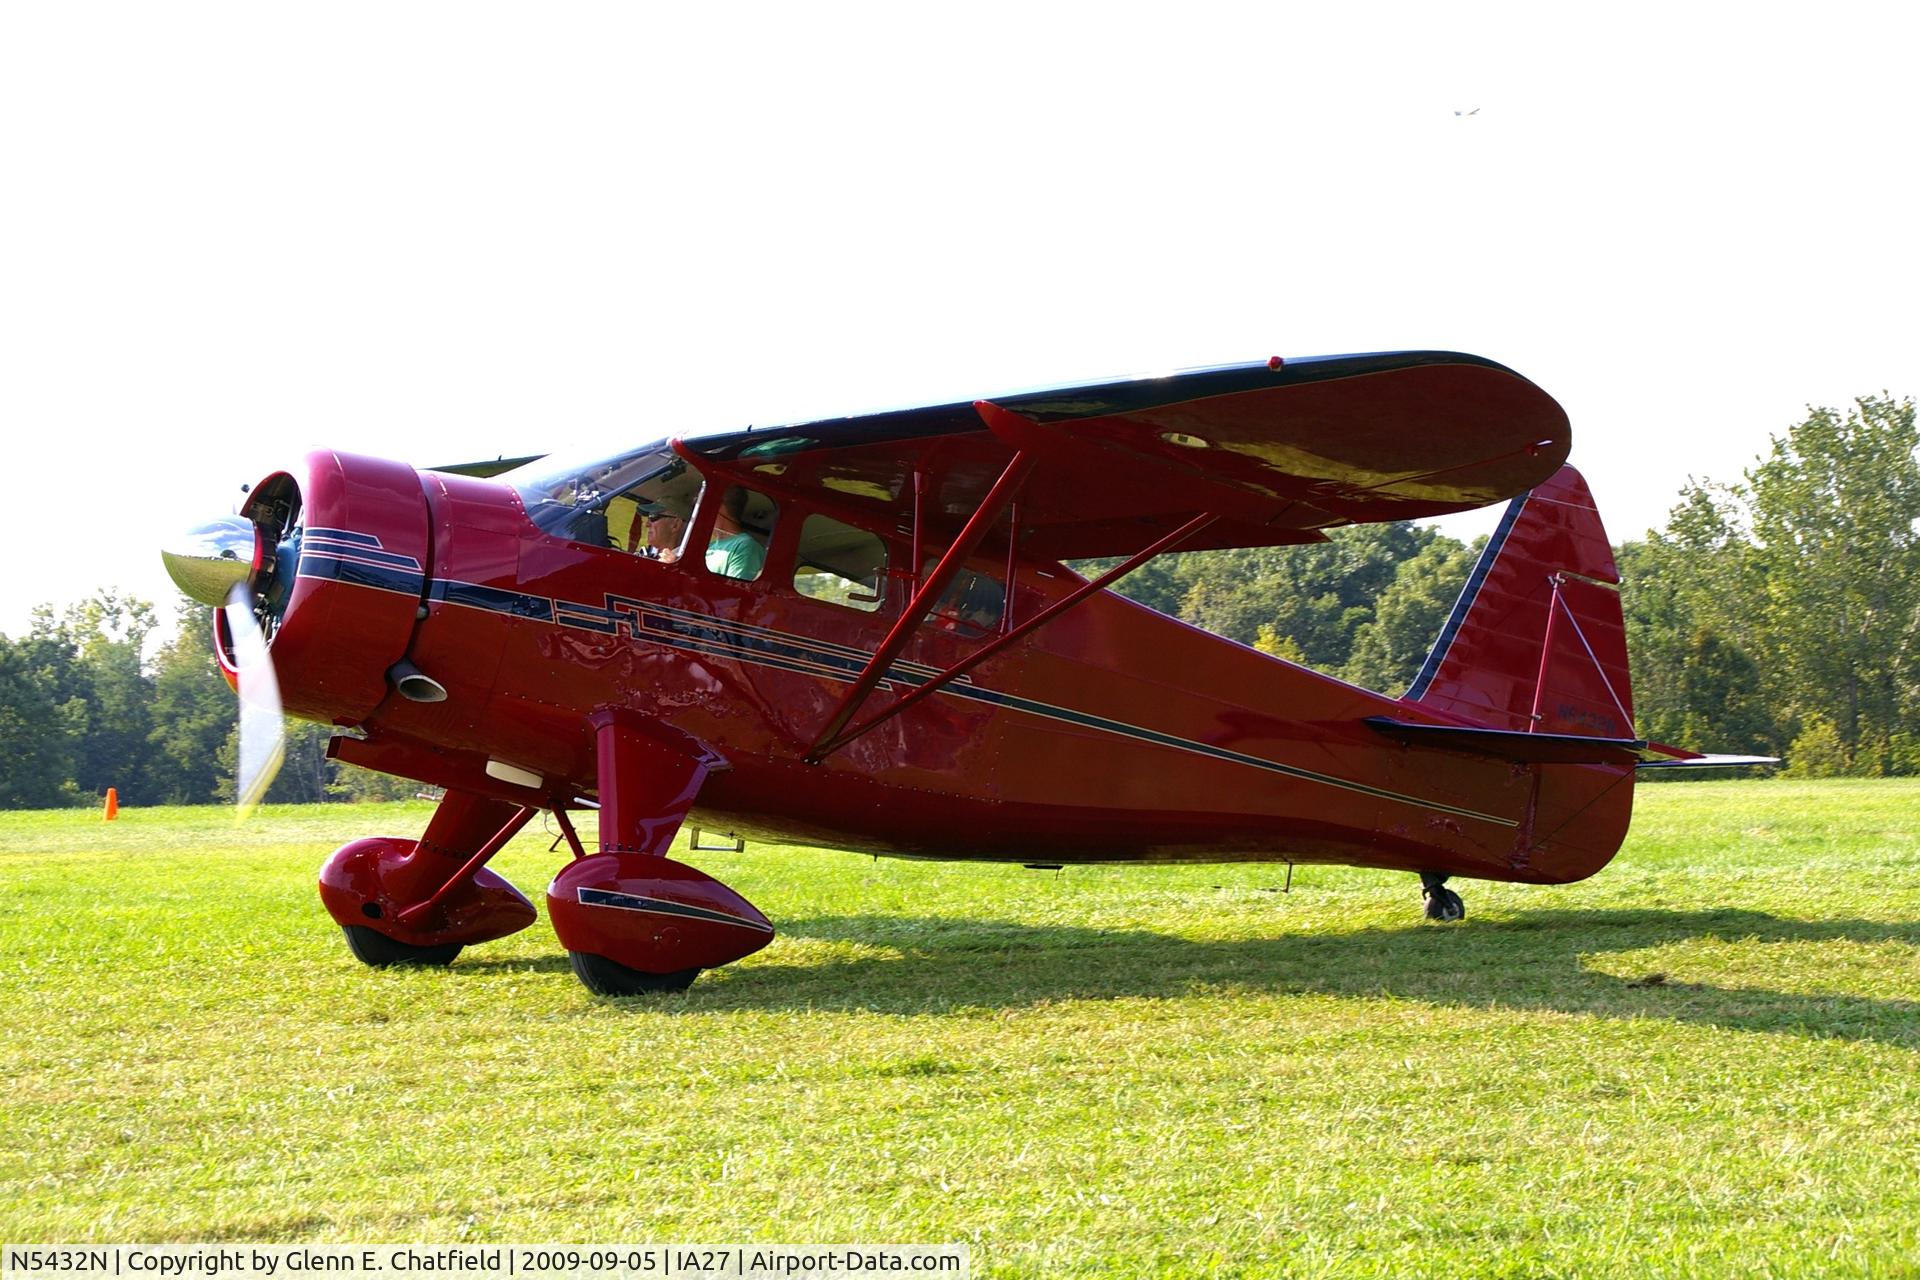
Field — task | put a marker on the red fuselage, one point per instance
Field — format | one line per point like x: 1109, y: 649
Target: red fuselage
x: 1112, y: 734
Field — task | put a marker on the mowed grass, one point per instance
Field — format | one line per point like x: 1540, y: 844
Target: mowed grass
x: 1704, y: 1061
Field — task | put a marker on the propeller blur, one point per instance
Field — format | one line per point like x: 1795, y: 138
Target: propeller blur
x: 262, y: 733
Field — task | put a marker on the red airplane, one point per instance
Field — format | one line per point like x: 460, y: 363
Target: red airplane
x: 860, y: 634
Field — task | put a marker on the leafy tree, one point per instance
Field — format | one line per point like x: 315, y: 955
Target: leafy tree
x: 1308, y: 603
x: 1817, y: 752
x: 193, y: 712
x: 93, y: 651
x: 1289, y: 591
x: 1693, y: 684
x: 1784, y: 607
x: 1318, y: 595
x: 51, y: 655
x: 1388, y: 651
x: 1270, y: 641
x: 1155, y: 584
x: 37, y: 737
x: 1835, y: 573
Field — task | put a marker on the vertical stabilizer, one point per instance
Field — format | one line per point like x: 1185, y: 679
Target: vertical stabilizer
x: 1536, y: 642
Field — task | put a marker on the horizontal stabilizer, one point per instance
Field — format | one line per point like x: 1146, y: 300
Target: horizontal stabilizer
x: 1711, y: 762
x: 1555, y: 748
x: 1511, y: 744
x: 1661, y: 756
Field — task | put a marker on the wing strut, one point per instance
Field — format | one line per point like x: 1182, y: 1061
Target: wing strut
x: 992, y: 647
x: 416, y: 915
x: 927, y: 595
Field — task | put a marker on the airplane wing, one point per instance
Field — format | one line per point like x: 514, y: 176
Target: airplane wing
x: 488, y: 467
x: 1279, y: 451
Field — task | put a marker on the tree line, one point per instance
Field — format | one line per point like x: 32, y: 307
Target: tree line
x: 1777, y: 614
x: 87, y: 703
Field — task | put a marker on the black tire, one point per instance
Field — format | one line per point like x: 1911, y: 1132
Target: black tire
x: 1444, y: 904
x: 382, y: 952
x: 606, y: 977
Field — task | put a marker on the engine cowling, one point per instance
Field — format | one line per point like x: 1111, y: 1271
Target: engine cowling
x: 347, y: 604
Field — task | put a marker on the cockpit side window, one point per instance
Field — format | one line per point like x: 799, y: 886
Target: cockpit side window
x: 640, y: 502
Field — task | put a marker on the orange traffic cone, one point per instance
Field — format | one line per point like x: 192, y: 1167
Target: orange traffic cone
x: 113, y: 803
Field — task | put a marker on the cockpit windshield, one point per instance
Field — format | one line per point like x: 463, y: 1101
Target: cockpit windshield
x: 639, y: 501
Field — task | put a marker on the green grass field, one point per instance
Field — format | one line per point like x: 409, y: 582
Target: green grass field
x: 1704, y: 1061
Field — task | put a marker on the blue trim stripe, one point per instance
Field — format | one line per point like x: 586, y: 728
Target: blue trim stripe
x: 1468, y: 594
x: 328, y: 568
x: 800, y: 666
x: 354, y: 551
x: 344, y: 535
x: 721, y: 635
x: 472, y: 595
x: 662, y: 907
x: 825, y: 647
x: 568, y: 614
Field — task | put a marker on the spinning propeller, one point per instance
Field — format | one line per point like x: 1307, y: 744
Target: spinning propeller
x: 226, y: 563
x: 263, y: 734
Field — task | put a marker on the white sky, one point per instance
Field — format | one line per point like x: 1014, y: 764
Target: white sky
x: 229, y: 233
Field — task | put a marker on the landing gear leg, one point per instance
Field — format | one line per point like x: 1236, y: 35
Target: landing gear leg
x: 420, y: 901
x: 633, y: 920
x: 1442, y: 902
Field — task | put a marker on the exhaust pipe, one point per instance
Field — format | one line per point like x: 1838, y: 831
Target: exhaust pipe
x: 414, y: 684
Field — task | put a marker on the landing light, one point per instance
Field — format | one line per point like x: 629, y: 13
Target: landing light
x: 501, y: 771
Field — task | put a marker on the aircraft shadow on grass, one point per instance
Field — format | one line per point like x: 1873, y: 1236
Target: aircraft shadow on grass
x: 1535, y: 961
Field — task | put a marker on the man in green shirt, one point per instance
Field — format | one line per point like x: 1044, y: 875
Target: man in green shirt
x: 732, y: 552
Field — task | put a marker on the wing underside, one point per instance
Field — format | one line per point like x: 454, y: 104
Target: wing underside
x: 1277, y: 451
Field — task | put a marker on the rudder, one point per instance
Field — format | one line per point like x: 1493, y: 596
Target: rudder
x: 1536, y: 641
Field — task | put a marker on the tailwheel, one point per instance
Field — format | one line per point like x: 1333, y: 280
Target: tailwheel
x: 382, y: 952
x: 1442, y: 902
x: 606, y: 977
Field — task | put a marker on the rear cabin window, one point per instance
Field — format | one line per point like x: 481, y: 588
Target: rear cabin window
x: 971, y: 603
x: 742, y: 527
x: 840, y: 564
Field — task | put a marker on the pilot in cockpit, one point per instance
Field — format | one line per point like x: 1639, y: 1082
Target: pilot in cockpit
x: 665, y: 530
